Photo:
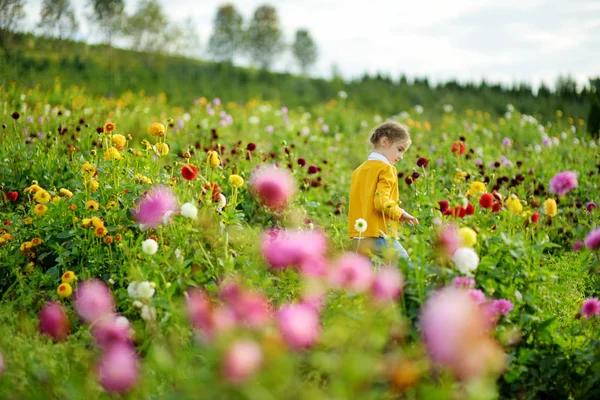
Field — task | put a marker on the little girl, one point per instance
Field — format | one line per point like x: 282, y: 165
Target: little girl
x: 373, y: 212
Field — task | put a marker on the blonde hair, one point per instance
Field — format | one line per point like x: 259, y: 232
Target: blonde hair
x: 394, y: 131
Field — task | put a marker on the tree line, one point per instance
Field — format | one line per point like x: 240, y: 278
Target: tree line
x: 148, y: 29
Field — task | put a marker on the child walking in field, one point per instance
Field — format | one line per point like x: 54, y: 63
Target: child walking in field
x: 373, y: 212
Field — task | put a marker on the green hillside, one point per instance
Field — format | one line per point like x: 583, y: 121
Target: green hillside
x: 110, y: 72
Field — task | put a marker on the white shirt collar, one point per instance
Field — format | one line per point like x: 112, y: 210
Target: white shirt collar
x: 378, y: 156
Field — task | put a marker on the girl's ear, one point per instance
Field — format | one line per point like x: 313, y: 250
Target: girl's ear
x: 384, y: 141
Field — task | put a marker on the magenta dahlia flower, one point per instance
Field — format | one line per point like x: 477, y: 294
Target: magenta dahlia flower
x: 563, y: 182
x: 590, y: 307
x: 592, y: 240
x: 152, y: 208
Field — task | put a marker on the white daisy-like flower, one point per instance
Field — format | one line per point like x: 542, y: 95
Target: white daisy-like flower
x: 221, y: 203
x: 149, y: 246
x: 167, y: 217
x: 148, y: 313
x: 466, y: 260
x: 189, y: 210
x: 121, y: 321
x: 138, y: 304
x: 132, y: 290
x: 178, y: 255
x: 342, y: 94
x: 360, y: 225
x: 419, y: 109
x: 145, y: 290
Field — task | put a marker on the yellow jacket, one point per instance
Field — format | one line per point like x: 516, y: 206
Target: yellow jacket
x: 373, y: 195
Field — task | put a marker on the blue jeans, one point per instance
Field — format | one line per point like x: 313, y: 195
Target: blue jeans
x: 382, y: 243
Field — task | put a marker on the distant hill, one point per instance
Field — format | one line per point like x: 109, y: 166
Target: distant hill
x: 105, y: 71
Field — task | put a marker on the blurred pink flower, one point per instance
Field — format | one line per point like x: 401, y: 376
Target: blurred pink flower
x: 152, y: 207
x: 502, y: 306
x: 283, y: 248
x: 590, y: 307
x: 313, y: 266
x: 118, y: 368
x: 387, y: 285
x: 353, y: 272
x: 448, y: 240
x: 251, y: 308
x: 272, y: 186
x: 477, y: 296
x: 590, y: 206
x: 456, y: 334
x: 464, y: 282
x: 111, y: 329
x: 54, y: 321
x: 299, y: 325
x: 93, y: 300
x: 206, y: 319
x: 592, y: 240
x: 314, y: 293
x: 242, y: 360
x: 563, y: 182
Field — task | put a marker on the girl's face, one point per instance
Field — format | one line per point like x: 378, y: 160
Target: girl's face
x: 393, y: 151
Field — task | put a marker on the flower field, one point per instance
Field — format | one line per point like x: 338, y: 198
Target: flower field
x: 154, y: 251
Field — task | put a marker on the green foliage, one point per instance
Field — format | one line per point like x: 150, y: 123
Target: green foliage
x: 365, y: 349
x: 38, y: 61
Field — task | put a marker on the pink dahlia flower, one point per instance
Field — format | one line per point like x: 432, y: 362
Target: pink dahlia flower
x: 464, y: 282
x: 563, y: 182
x: 54, y: 321
x: 272, y: 186
x: 299, y: 325
x: 111, y: 329
x: 477, y: 296
x: 242, y: 360
x: 353, y: 272
x: 456, y: 334
x: 93, y: 300
x: 590, y: 307
x: 282, y: 249
x: 387, y: 285
x: 152, y: 208
x: 592, y: 240
x: 502, y: 306
x: 118, y: 369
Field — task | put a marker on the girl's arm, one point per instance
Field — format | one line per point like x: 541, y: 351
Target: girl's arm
x: 383, y: 202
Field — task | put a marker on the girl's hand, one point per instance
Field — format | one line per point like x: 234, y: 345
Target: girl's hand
x: 406, y: 217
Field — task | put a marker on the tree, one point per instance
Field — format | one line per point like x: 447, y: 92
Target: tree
x: 228, y: 32
x: 11, y: 13
x: 57, y: 16
x: 263, y: 40
x: 593, y: 124
x: 147, y: 26
x: 305, y: 50
x: 566, y: 87
x: 182, y: 38
x: 108, y: 15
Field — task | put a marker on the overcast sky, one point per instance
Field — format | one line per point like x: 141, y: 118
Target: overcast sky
x: 500, y: 40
